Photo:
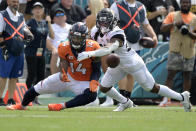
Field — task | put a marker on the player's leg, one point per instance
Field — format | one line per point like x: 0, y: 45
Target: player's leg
x: 169, y: 83
x: 145, y: 79
x: 109, y: 101
x: 111, y: 77
x: 126, y: 85
x: 51, y: 84
x: 83, y: 96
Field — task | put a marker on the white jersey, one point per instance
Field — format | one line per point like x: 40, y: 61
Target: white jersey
x: 127, y: 57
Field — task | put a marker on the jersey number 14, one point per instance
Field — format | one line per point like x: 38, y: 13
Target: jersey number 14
x: 78, y: 69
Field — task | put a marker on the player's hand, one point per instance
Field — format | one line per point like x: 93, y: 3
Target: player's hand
x: 94, y: 85
x: 83, y: 56
x: 63, y: 76
x: 155, y: 40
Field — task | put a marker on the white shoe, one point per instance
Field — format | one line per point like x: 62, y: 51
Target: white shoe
x: 124, y: 106
x: 186, y: 103
x: 94, y: 103
x: 109, y: 102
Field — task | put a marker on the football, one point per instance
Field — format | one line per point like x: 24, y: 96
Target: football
x: 147, y: 42
x: 112, y: 60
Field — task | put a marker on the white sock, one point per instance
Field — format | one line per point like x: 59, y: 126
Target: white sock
x: 113, y: 93
x: 167, y: 92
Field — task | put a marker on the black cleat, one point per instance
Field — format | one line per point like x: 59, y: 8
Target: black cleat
x: 11, y: 102
x: 2, y: 102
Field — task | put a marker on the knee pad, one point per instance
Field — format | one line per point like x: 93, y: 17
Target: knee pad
x: 91, y: 95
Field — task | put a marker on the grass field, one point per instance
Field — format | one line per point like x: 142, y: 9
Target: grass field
x: 142, y: 118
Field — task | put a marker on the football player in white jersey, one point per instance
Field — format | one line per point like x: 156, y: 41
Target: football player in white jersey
x: 113, y: 39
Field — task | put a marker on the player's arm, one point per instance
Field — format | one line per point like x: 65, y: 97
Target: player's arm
x: 114, y: 44
x: 63, y: 62
x: 63, y: 72
x: 96, y: 73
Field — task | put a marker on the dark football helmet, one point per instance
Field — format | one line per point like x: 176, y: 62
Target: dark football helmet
x: 78, y: 35
x: 106, y: 20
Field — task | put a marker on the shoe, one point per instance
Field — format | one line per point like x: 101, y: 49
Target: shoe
x: 94, y: 103
x: 2, y: 102
x: 124, y: 106
x: 11, y: 102
x: 186, y: 103
x: 55, y: 107
x: 15, y: 107
x: 109, y: 102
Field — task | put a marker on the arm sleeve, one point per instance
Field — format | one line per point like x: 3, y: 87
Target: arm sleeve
x: 96, y: 71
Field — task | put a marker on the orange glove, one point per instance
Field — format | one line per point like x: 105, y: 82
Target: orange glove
x: 64, y: 76
x: 94, y: 85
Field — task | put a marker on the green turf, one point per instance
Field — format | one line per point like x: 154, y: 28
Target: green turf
x: 142, y: 118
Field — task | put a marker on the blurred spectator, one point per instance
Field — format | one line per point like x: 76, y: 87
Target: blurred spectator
x: 34, y: 51
x: 106, y: 5
x: 22, y: 6
x: 123, y: 10
x: 11, y: 48
x: 74, y: 13
x: 156, y: 12
x: 95, y: 6
x: 193, y: 6
x: 176, y: 4
x: 46, y: 3
x: 3, y: 5
x: 61, y: 31
x: 182, y: 27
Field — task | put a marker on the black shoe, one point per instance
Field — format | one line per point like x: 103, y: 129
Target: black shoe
x: 2, y: 102
x: 11, y: 102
